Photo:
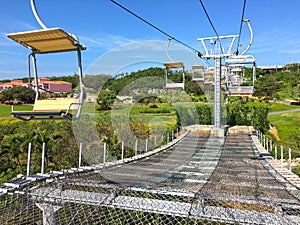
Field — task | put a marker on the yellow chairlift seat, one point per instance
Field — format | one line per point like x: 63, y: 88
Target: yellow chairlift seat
x: 58, y: 108
x: 174, y: 65
x: 52, y: 40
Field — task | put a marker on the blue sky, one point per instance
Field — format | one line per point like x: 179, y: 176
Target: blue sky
x: 102, y: 27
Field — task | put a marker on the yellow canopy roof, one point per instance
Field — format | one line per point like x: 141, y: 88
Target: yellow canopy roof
x: 174, y: 65
x: 47, y: 40
x: 195, y: 67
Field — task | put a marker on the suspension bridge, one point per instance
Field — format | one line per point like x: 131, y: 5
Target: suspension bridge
x: 194, y: 179
x: 191, y: 180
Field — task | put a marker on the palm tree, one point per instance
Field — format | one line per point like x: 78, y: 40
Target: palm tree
x: 14, y: 147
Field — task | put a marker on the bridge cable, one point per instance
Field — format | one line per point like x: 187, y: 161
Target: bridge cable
x: 158, y: 29
x: 241, y: 26
x: 211, y: 24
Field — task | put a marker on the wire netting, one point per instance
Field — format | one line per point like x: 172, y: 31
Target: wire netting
x: 201, y: 180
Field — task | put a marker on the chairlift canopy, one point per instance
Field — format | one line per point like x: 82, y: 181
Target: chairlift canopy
x: 47, y: 40
x: 197, y: 67
x: 171, y: 65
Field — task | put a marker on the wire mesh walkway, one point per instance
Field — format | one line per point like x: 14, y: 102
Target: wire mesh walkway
x: 200, y: 180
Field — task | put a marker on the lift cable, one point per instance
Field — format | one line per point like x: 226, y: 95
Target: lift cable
x: 241, y: 26
x: 158, y: 29
x: 211, y: 24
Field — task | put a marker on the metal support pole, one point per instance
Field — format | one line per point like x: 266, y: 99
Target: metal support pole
x: 155, y: 141
x: 168, y: 137
x: 122, y: 157
x: 265, y: 140
x: 172, y: 138
x: 267, y: 144
x: 28, y: 160
x: 43, y: 158
x: 275, y: 151
x: 136, y: 147
x: 80, y: 155
x: 217, y: 97
x: 49, y: 211
x: 261, y: 138
x: 177, y: 132
x: 271, y: 146
x: 104, y: 153
x: 290, y: 159
x: 281, y: 153
x: 146, y: 145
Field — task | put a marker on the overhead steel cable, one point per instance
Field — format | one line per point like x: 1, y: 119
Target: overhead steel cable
x: 158, y: 29
x: 211, y: 24
x: 241, y: 27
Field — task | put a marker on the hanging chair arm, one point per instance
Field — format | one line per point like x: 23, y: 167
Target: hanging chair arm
x: 251, y: 36
x: 32, y: 57
x: 81, y: 86
x: 167, y: 49
x: 36, y: 15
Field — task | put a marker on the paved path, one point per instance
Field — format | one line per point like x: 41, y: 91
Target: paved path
x: 285, y: 111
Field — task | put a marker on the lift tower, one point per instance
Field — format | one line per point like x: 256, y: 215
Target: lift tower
x: 214, y: 49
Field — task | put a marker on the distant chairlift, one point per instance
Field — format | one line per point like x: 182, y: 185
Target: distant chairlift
x: 235, y: 75
x: 198, y: 73
x: 209, y: 75
x: 202, y: 74
x: 173, y: 68
x: 53, y: 40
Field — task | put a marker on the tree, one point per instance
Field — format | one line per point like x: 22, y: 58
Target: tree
x: 267, y: 87
x: 105, y: 99
x: 13, y: 147
x: 21, y: 94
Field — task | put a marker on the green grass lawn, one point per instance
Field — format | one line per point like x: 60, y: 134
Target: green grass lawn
x: 288, y: 127
x: 143, y: 113
x: 5, y: 110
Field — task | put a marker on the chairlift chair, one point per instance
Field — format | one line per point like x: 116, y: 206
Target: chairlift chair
x: 198, y: 73
x: 178, y: 67
x: 209, y: 77
x: 236, y: 65
x: 52, y: 40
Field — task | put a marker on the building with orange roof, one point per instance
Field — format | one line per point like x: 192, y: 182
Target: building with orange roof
x: 45, y: 85
x: 13, y: 83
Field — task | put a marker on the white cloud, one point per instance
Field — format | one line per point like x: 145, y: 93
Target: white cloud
x: 277, y: 40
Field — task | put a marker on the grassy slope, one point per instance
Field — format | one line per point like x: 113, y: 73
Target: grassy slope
x: 274, y: 107
x: 288, y: 126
